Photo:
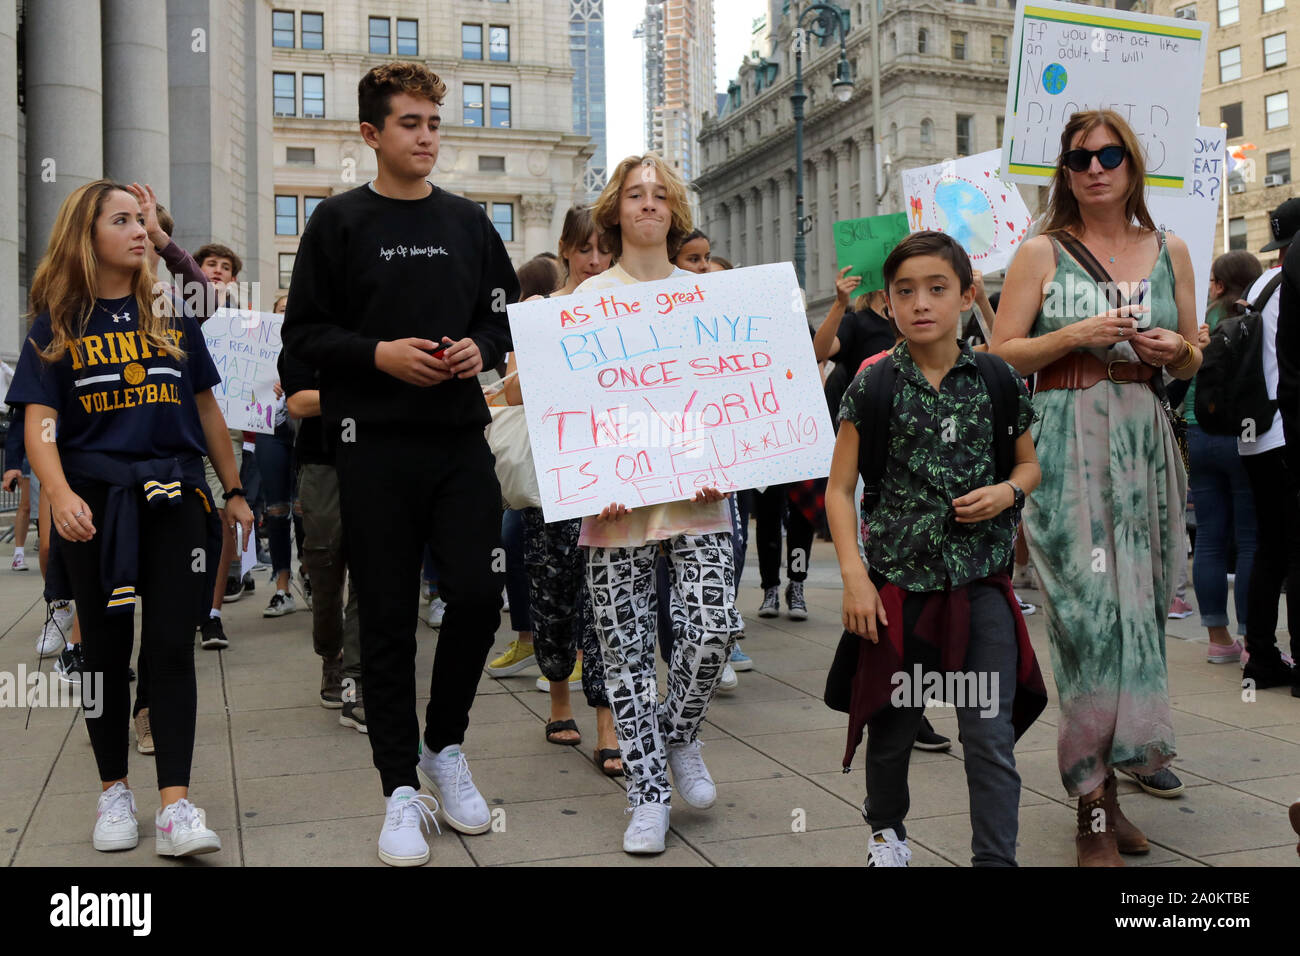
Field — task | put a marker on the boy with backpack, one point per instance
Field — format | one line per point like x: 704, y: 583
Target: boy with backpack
x: 941, y: 437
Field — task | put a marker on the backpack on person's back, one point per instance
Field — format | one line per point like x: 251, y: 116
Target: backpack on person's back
x: 1230, y: 389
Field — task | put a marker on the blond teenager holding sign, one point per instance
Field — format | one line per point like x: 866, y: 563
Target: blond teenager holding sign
x: 644, y: 211
x: 1104, y: 528
x: 128, y: 384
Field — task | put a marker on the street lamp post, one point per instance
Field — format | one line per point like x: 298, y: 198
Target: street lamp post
x: 819, y: 20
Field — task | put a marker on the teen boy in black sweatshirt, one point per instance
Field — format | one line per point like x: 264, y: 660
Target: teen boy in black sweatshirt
x: 399, y: 298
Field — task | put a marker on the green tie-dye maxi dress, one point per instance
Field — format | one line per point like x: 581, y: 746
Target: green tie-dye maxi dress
x: 1104, y: 531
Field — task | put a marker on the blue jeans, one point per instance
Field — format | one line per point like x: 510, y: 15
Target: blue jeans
x: 274, y: 455
x: 1224, y: 506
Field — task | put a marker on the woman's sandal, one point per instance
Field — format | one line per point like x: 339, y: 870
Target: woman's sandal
x: 601, y: 757
x: 559, y: 726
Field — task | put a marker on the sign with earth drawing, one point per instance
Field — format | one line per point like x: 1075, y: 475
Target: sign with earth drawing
x: 968, y: 199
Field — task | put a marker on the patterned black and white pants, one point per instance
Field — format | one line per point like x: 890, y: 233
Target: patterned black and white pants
x: 561, y: 609
x: 705, y: 622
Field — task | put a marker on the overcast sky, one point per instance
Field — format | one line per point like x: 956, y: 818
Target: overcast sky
x: 624, y: 93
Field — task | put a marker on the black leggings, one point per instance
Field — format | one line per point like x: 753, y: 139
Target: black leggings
x: 170, y: 585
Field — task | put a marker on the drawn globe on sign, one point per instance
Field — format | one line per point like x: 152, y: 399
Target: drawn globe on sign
x: 965, y: 214
x: 1054, y: 78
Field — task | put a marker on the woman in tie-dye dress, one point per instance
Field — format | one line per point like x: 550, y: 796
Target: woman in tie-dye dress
x: 1105, y: 526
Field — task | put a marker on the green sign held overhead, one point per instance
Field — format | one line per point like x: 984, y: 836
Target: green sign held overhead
x: 864, y: 244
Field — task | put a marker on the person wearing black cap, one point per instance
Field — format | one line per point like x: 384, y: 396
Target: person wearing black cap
x: 1275, y: 484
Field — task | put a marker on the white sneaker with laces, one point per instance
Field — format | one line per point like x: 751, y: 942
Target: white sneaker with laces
x: 181, y: 829
x: 729, y: 680
x: 401, y: 842
x: 649, y: 827
x: 115, y: 826
x: 886, y: 849
x: 446, y: 775
x: 690, y: 777
x: 56, y: 630
x: 437, y: 608
x: 282, y: 603
x: 771, y: 606
x: 20, y: 562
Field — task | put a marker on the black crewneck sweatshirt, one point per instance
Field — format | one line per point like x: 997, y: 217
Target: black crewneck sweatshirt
x: 371, y: 269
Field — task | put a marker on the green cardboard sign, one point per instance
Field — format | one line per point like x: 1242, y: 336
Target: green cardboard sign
x: 865, y: 243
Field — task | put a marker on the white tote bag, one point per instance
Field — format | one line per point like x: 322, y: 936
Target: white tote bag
x: 508, y: 438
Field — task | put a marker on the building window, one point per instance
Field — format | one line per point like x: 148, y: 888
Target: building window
x: 1275, y: 51
x: 1229, y: 12
x: 1230, y: 64
x: 300, y: 154
x: 1276, y: 111
x: 1237, y: 233
x: 284, y: 87
x: 998, y: 48
x: 500, y: 107
x: 958, y: 45
x: 922, y: 40
x: 313, y: 95
x: 1271, y: 5
x: 286, y: 269
x: 472, y: 109
x: 927, y: 132
x: 408, y: 37
x: 491, y: 164
x: 309, y: 204
x: 1186, y: 12
x: 893, y: 138
x: 503, y: 217
x: 282, y: 28
x: 471, y: 41
x: 1230, y: 114
x: 965, y: 146
x: 1002, y: 124
x: 286, y: 215
x: 313, y: 31
x: 499, y: 43
x: 381, y: 38
x: 1279, y: 164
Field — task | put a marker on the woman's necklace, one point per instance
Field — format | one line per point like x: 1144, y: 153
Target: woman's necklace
x: 123, y: 316
x: 1127, y: 242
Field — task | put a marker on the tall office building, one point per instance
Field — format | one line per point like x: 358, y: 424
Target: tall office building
x: 678, y: 37
x: 508, y: 137
x: 1249, y: 79
x: 587, y: 57
x: 175, y: 94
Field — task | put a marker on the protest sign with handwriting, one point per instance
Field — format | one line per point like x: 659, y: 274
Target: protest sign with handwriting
x: 644, y: 393
x: 1068, y: 57
x: 1193, y: 215
x: 245, y: 346
x: 866, y: 243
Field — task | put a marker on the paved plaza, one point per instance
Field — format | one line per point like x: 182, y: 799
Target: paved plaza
x: 284, y: 784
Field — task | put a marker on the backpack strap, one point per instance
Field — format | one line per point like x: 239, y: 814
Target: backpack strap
x: 1266, y: 293
x: 873, y: 435
x: 999, y: 380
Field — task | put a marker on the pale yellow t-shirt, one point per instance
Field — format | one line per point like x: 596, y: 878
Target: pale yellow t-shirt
x: 649, y: 522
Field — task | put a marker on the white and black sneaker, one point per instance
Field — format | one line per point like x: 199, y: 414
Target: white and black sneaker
x: 212, y: 636
x: 771, y: 606
x: 234, y: 590
x: 70, y: 664
x: 794, y: 601
x: 886, y: 849
x: 57, y: 628
x: 281, y: 604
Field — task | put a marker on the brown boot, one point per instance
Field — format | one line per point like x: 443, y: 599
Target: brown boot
x: 1128, y: 838
x: 1095, y: 840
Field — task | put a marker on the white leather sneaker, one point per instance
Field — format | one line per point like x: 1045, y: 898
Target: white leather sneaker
x: 181, y: 829
x: 649, y: 827
x: 886, y: 849
x: 690, y: 777
x: 115, y: 826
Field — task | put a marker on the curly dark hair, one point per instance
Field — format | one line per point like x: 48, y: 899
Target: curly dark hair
x: 377, y: 87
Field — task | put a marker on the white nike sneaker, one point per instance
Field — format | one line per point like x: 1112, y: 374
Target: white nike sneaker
x: 56, y: 630
x: 181, y: 829
x: 115, y: 826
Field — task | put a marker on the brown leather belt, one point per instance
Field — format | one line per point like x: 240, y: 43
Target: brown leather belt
x: 1084, y: 370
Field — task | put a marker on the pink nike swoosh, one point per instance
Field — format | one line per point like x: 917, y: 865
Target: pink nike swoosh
x: 168, y: 828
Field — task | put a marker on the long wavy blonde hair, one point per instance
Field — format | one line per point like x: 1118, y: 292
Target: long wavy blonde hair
x: 606, y: 209
x: 67, y: 278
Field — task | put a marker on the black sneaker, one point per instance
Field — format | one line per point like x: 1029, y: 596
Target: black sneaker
x: 212, y: 636
x: 1162, y: 783
x: 928, y: 739
x: 794, y: 602
x: 234, y: 590
x: 354, y: 716
x: 1272, y: 671
x: 70, y: 664
x: 248, y: 584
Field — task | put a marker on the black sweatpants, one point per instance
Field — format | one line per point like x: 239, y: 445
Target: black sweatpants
x: 771, y: 509
x: 171, y: 585
x: 399, y: 488
x: 1277, y: 554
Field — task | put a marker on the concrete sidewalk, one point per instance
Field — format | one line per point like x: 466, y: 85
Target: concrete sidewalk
x: 284, y: 783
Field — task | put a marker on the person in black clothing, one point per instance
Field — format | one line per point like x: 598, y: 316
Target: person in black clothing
x: 398, y: 298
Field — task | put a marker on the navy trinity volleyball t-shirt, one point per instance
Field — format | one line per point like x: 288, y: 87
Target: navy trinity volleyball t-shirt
x: 113, y: 392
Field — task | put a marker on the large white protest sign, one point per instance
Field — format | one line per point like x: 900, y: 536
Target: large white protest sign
x: 967, y: 199
x: 644, y: 393
x: 1194, y: 215
x: 1069, y: 57
x: 245, y: 347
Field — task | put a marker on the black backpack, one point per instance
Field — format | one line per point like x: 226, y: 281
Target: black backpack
x: 1230, y: 386
x: 873, y: 433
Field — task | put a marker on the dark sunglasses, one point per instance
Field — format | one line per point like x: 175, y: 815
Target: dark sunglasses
x: 1080, y: 160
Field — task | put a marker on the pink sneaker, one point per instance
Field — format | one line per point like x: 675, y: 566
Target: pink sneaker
x: 1180, y: 609
x: 1224, y: 653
